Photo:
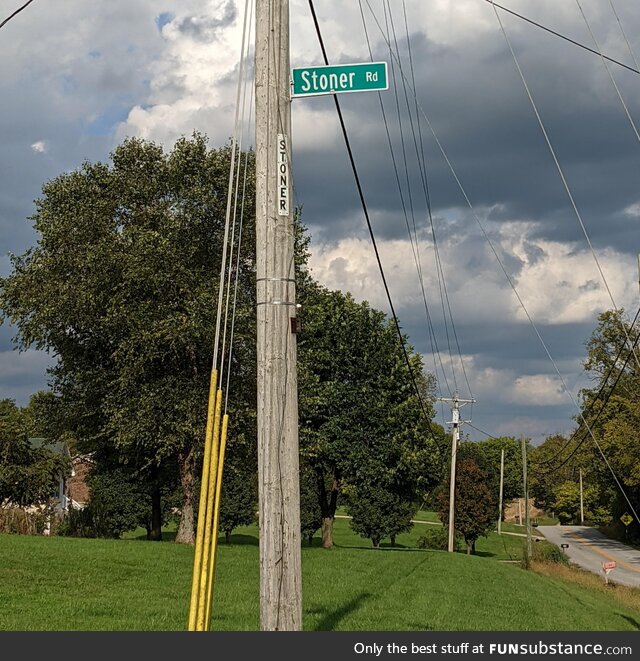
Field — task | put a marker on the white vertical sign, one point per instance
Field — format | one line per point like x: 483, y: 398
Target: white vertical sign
x: 283, y: 176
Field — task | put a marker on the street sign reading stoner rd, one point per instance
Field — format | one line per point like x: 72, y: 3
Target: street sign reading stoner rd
x: 365, y: 77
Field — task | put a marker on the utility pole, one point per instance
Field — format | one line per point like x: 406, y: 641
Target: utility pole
x: 526, y: 497
x: 501, y: 491
x: 278, y: 470
x: 581, y: 501
x: 456, y: 405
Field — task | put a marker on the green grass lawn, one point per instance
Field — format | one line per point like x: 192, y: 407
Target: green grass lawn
x: 61, y: 583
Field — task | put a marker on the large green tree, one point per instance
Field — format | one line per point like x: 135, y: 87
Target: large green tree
x: 361, y: 423
x: 121, y: 288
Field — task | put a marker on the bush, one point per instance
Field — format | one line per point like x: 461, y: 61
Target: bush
x: 78, y: 523
x: 17, y: 521
x: 547, y: 553
x: 436, y: 539
x: 117, y: 505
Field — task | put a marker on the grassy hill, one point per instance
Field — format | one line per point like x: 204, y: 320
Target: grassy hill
x: 61, y: 583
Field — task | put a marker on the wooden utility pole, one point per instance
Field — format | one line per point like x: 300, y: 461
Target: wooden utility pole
x: 526, y: 497
x: 456, y: 405
x: 581, y: 501
x: 501, y: 491
x: 278, y: 470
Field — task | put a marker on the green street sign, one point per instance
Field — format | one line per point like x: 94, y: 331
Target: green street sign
x: 365, y: 77
x: 627, y: 519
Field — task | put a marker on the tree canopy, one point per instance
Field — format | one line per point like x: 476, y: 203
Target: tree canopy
x: 121, y: 288
x: 361, y: 424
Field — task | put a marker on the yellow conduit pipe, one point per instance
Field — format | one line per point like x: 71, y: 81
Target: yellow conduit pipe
x: 202, y: 509
x: 213, y: 473
x: 216, y: 518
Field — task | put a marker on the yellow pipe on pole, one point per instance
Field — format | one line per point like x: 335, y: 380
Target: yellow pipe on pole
x: 202, y: 509
x: 216, y: 518
x: 213, y: 473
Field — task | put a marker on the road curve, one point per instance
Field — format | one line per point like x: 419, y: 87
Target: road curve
x: 589, y: 548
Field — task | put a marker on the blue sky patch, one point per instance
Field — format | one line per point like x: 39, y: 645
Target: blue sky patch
x: 163, y: 19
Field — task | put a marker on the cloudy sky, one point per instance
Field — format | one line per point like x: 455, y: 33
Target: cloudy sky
x: 78, y: 76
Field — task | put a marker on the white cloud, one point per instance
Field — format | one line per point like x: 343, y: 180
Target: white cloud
x: 559, y: 283
x: 40, y: 147
x: 538, y: 390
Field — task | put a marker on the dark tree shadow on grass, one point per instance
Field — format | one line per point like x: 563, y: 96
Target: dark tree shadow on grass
x: 246, y: 540
x: 332, y: 618
x: 634, y: 623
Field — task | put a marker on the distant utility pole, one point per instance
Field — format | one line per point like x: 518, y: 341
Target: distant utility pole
x: 526, y: 497
x: 581, y: 501
x: 456, y: 405
x: 501, y: 491
x: 278, y: 470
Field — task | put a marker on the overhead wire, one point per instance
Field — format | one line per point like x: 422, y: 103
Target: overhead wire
x: 422, y: 166
x: 414, y: 236
x: 204, y: 565
x: 234, y: 180
x: 604, y: 384
x: 586, y: 436
x: 415, y: 248
x: 559, y: 167
x: 562, y: 36
x: 248, y: 83
x: 578, y: 215
x: 15, y: 13
x: 493, y: 438
x: 610, y: 74
x: 388, y: 16
x: 506, y: 274
x: 365, y: 209
x: 624, y: 35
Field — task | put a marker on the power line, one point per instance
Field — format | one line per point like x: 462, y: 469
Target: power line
x: 561, y: 174
x: 371, y: 232
x: 586, y: 435
x: 606, y: 66
x: 562, y: 36
x: 624, y: 34
x: 15, y: 13
x: 415, y: 249
x: 508, y: 277
x: 493, y: 438
x: 388, y: 18
x: 603, y: 385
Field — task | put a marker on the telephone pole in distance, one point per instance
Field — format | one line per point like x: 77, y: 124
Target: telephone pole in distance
x: 456, y: 405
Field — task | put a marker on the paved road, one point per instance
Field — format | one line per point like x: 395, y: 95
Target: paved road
x: 589, y: 548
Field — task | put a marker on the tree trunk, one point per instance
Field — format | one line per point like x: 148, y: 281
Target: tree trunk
x: 187, y: 466
x: 155, y: 532
x: 327, y: 532
x: 376, y: 542
x: 328, y: 505
x: 227, y: 536
x: 469, y: 547
x: 393, y: 540
x: 310, y: 540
